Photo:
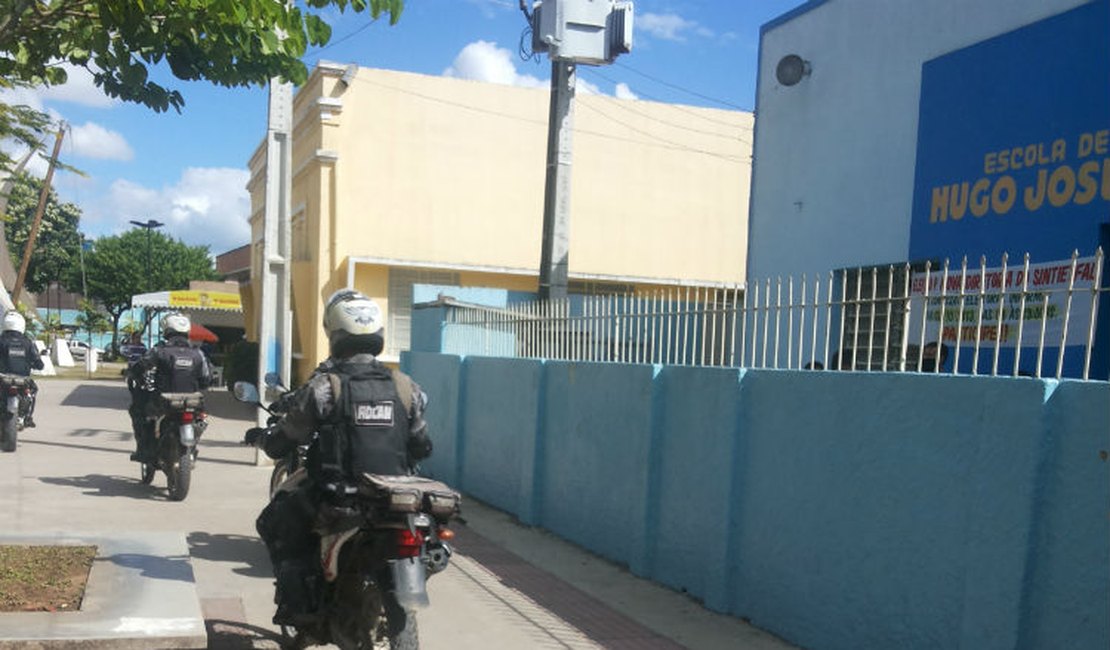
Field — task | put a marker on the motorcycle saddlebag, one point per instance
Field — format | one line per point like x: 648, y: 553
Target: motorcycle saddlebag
x: 183, y: 401
x: 414, y: 494
x: 18, y: 381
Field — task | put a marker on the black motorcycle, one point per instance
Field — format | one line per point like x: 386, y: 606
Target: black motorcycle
x: 17, y: 391
x: 380, y: 539
x: 179, y: 424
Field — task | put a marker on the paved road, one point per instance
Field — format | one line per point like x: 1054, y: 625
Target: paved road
x: 72, y: 474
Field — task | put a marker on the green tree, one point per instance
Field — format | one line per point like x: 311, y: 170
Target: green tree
x: 120, y: 266
x: 92, y: 318
x: 58, y: 244
x: 52, y: 328
x: 230, y: 43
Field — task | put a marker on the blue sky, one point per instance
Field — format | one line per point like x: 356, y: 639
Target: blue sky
x: 189, y: 170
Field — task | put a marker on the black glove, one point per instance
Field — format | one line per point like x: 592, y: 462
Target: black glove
x: 254, y: 435
x: 419, y: 447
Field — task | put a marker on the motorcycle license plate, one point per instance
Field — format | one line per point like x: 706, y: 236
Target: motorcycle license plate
x: 187, y: 437
x: 13, y: 404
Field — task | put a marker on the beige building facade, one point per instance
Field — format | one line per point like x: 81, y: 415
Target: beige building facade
x: 402, y: 179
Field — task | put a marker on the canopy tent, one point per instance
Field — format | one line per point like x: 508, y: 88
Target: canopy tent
x: 212, y: 308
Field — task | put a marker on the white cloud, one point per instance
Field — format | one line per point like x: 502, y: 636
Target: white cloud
x: 79, y: 88
x: 484, y: 61
x: 586, y: 88
x: 670, y: 27
x: 206, y: 206
x: 21, y: 97
x: 622, y: 91
x: 94, y: 141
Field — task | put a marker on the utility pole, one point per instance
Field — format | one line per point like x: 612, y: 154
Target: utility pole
x: 572, y: 32
x: 275, y: 317
x: 30, y: 247
x: 556, y: 188
x: 150, y: 225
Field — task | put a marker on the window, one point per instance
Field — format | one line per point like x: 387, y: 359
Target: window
x: 401, y: 281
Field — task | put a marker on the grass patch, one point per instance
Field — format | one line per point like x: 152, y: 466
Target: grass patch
x: 43, y: 578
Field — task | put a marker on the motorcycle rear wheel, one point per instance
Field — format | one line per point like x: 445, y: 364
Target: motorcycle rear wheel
x: 408, y: 638
x: 179, y: 471
x: 9, y: 431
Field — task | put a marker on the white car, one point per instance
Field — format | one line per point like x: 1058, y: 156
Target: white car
x: 79, y: 348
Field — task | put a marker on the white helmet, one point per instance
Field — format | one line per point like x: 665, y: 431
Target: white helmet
x: 14, y: 322
x: 175, y: 323
x: 351, y: 316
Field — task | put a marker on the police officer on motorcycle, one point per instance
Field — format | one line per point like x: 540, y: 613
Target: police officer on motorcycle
x: 176, y: 366
x: 367, y: 417
x: 19, y: 355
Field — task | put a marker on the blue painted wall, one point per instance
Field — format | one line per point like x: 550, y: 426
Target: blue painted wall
x: 1019, y: 125
x: 837, y: 510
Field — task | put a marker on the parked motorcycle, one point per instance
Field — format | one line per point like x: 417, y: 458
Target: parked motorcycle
x: 380, y: 539
x: 179, y: 425
x: 17, y: 390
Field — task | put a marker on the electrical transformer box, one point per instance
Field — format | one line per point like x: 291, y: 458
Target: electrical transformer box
x: 583, y: 31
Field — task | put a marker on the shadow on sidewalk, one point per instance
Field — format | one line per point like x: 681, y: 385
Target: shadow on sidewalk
x: 236, y: 635
x: 175, y: 567
x: 111, y: 396
x: 100, y: 485
x: 232, y: 548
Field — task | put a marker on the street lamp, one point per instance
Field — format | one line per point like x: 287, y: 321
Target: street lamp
x: 149, y: 225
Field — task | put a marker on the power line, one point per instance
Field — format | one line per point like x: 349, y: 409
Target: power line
x: 674, y: 145
x: 337, y: 41
x: 681, y: 89
x: 659, y: 142
x: 624, y: 106
x: 676, y: 107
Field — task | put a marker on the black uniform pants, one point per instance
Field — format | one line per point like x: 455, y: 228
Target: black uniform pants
x: 142, y: 426
x: 286, y: 526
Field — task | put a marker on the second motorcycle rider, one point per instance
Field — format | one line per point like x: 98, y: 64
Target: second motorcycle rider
x: 369, y: 419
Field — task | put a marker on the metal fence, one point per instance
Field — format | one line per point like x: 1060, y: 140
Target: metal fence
x: 1011, y: 319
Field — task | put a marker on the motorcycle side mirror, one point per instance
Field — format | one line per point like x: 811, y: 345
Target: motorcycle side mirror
x: 245, y: 391
x: 272, y: 379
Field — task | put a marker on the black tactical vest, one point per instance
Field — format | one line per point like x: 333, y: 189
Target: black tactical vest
x: 14, y: 349
x: 178, y: 369
x: 368, y: 429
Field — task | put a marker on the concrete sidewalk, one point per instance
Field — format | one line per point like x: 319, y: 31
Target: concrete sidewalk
x: 509, y: 586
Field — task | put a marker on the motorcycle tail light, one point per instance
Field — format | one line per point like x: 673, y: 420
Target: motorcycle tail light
x: 186, y: 417
x: 13, y: 390
x: 445, y: 533
x: 409, y: 543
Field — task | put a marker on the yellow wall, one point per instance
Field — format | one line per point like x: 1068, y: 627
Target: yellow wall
x: 433, y: 172
x: 460, y: 180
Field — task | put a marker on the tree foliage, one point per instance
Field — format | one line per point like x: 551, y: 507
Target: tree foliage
x: 91, y: 318
x: 230, y: 43
x: 120, y: 266
x: 58, y: 244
